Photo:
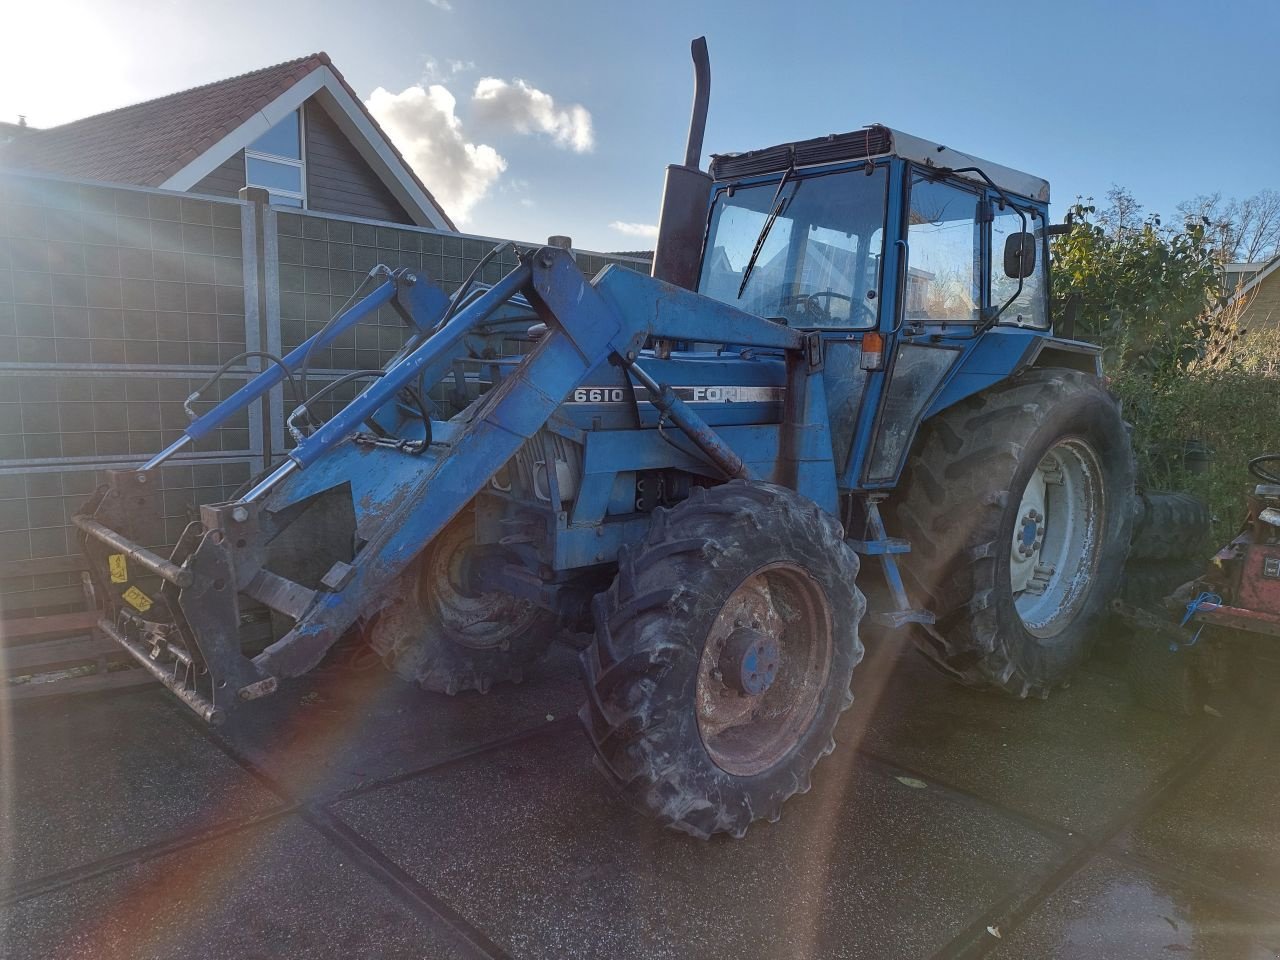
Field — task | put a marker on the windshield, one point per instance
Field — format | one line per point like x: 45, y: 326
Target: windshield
x: 816, y: 265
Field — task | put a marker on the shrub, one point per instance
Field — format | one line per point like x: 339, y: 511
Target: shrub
x: 1185, y: 373
x: 1230, y: 409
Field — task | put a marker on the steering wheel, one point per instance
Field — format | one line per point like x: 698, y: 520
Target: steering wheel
x: 1259, y: 470
x: 810, y: 309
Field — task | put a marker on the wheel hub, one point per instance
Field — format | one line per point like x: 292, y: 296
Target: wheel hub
x: 1031, y: 535
x: 749, y: 662
x: 763, y: 668
x: 449, y: 592
x: 1056, y: 536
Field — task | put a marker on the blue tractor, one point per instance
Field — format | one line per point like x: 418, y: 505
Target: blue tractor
x: 845, y: 352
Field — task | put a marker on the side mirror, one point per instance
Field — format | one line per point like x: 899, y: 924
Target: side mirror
x: 1019, y: 255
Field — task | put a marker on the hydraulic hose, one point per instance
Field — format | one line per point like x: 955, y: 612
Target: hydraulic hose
x: 304, y: 408
x: 217, y: 375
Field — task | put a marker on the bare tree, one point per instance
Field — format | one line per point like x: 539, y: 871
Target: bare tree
x: 1259, y: 226
x: 1242, y: 231
x: 1122, y: 213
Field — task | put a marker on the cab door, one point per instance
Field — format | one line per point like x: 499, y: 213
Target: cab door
x: 941, y: 302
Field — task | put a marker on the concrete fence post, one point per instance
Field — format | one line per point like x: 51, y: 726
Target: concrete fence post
x: 261, y: 199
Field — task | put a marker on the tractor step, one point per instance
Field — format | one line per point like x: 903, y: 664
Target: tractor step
x: 880, y: 548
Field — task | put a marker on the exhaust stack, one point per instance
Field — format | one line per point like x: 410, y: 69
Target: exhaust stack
x: 687, y: 190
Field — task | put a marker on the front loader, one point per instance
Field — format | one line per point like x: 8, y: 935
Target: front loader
x: 845, y: 353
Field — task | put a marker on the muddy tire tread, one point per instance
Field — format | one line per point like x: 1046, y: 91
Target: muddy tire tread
x: 644, y: 639
x: 964, y: 465
x: 1170, y: 526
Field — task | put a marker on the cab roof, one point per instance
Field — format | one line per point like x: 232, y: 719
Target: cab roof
x: 875, y: 140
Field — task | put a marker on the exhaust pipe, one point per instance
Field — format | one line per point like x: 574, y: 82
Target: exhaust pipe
x: 687, y: 190
x: 701, y: 97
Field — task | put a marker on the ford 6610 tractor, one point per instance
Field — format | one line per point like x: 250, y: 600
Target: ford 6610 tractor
x: 844, y: 352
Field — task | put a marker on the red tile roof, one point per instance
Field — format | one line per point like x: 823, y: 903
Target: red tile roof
x: 149, y: 142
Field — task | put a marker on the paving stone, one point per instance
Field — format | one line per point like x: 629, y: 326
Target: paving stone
x: 88, y: 777
x: 340, y: 727
x: 1225, y: 819
x: 1111, y: 912
x: 530, y: 845
x: 275, y: 890
x: 1078, y: 759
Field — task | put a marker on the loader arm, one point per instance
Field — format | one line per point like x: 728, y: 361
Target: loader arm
x: 392, y: 499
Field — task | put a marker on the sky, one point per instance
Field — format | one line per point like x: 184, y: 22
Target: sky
x: 558, y: 117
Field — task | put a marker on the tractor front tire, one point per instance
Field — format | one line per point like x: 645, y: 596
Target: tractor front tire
x: 723, y: 657
x: 447, y: 638
x: 1018, y: 504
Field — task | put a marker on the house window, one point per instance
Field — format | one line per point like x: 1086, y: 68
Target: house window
x: 275, y: 162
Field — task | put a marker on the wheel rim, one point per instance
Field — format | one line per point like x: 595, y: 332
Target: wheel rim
x: 479, y: 620
x: 1057, y: 537
x: 777, y: 626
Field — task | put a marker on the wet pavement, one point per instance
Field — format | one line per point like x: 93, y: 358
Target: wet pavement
x: 353, y: 815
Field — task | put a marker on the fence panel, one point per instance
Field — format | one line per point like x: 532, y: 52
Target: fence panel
x: 115, y: 303
x: 316, y: 262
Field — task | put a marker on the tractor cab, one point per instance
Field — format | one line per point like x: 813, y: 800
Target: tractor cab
x: 922, y: 270
x: 876, y: 230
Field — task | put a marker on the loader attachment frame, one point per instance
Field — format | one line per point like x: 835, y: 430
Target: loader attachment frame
x: 179, y: 616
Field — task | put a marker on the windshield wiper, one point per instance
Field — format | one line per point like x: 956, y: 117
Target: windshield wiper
x: 778, y: 206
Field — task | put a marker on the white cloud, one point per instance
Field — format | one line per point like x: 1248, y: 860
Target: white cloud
x: 433, y: 69
x: 441, y: 4
x: 647, y: 230
x: 423, y: 125
x: 524, y: 109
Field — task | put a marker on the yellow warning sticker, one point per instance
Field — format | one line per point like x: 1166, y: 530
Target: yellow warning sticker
x: 139, y: 599
x: 119, y: 572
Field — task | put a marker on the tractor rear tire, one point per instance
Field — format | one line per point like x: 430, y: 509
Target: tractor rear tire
x: 437, y: 632
x: 723, y: 657
x: 1170, y: 526
x: 1031, y: 481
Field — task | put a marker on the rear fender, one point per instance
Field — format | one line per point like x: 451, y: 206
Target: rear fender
x: 1003, y: 354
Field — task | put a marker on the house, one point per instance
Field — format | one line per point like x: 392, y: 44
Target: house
x: 1254, y: 289
x: 1236, y: 275
x: 296, y: 129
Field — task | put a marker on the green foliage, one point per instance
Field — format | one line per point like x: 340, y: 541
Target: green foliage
x: 1141, y: 291
x: 1145, y: 293
x: 1232, y: 411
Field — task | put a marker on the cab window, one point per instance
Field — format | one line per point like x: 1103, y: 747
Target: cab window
x: 944, y: 261
x: 1026, y: 307
x: 807, y: 251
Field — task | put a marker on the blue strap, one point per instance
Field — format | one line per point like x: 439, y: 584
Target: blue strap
x: 1192, y: 607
